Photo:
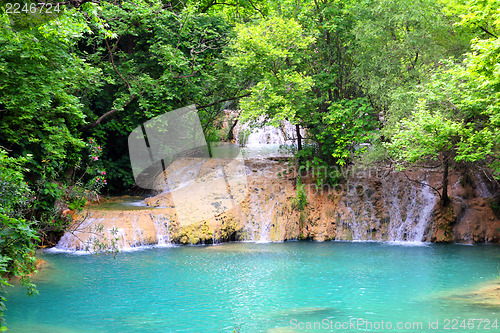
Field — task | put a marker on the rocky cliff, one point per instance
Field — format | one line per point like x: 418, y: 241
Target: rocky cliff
x: 262, y: 205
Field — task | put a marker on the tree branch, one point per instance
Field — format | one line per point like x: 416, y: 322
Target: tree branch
x: 421, y: 183
x: 489, y: 33
x: 257, y: 9
x: 222, y: 100
x: 107, y: 114
x: 113, y: 64
x: 185, y: 76
x: 76, y: 3
x: 414, y: 61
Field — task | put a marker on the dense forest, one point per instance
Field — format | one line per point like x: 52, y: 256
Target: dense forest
x: 373, y: 81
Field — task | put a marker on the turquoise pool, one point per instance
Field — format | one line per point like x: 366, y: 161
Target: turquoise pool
x: 274, y: 287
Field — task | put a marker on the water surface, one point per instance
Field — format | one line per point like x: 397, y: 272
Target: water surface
x: 247, y: 287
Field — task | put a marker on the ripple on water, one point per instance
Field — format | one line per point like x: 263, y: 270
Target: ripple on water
x: 256, y: 287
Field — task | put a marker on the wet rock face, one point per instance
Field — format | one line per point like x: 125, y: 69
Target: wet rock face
x: 474, y: 218
x: 368, y: 205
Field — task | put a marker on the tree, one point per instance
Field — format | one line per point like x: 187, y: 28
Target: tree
x: 42, y: 85
x: 482, y: 79
x: 154, y: 59
x: 273, y: 53
x: 235, y: 10
x: 41, y: 79
x: 464, y: 96
x: 17, y: 236
x: 344, y: 128
x: 427, y: 136
x: 396, y: 44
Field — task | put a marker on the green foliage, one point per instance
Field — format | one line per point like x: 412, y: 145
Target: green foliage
x: 158, y: 59
x: 332, y: 56
x: 234, y: 10
x: 346, y: 129
x: 17, y: 255
x: 396, y: 41
x: 465, y: 95
x: 273, y: 54
x: 475, y: 14
x: 40, y: 80
x: 316, y: 168
x: 17, y: 236
x: 81, y: 185
x: 299, y: 202
x: 77, y: 204
x: 243, y: 136
x: 425, y: 136
x: 99, y: 243
x: 15, y: 195
x: 482, y: 78
x: 434, y: 132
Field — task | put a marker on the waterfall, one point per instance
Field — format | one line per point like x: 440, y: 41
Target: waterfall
x: 119, y: 238
x: 261, y: 218
x: 248, y: 135
x: 267, y: 135
x: 122, y: 230
x: 413, y: 225
x: 423, y: 216
x: 360, y: 209
x: 260, y: 221
x: 71, y: 241
x: 265, y: 224
x: 162, y: 226
x: 223, y: 198
x: 396, y: 211
x: 410, y: 209
x: 481, y: 187
x: 215, y: 236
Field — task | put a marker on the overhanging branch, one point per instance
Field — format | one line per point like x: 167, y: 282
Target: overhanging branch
x: 422, y: 183
x: 107, y: 114
x: 489, y: 33
x: 221, y: 101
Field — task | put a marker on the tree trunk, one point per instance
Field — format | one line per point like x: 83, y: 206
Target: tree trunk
x: 444, y: 197
x: 299, y: 138
x: 230, y: 135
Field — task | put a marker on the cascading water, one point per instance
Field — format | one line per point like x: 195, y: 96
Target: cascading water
x: 417, y: 213
x: 388, y: 208
x: 481, y: 187
x: 162, y: 226
x: 356, y: 226
x: 257, y: 135
x: 122, y: 230
x: 120, y: 239
x: 269, y: 135
x: 258, y: 229
x: 392, y: 212
x: 71, y: 241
